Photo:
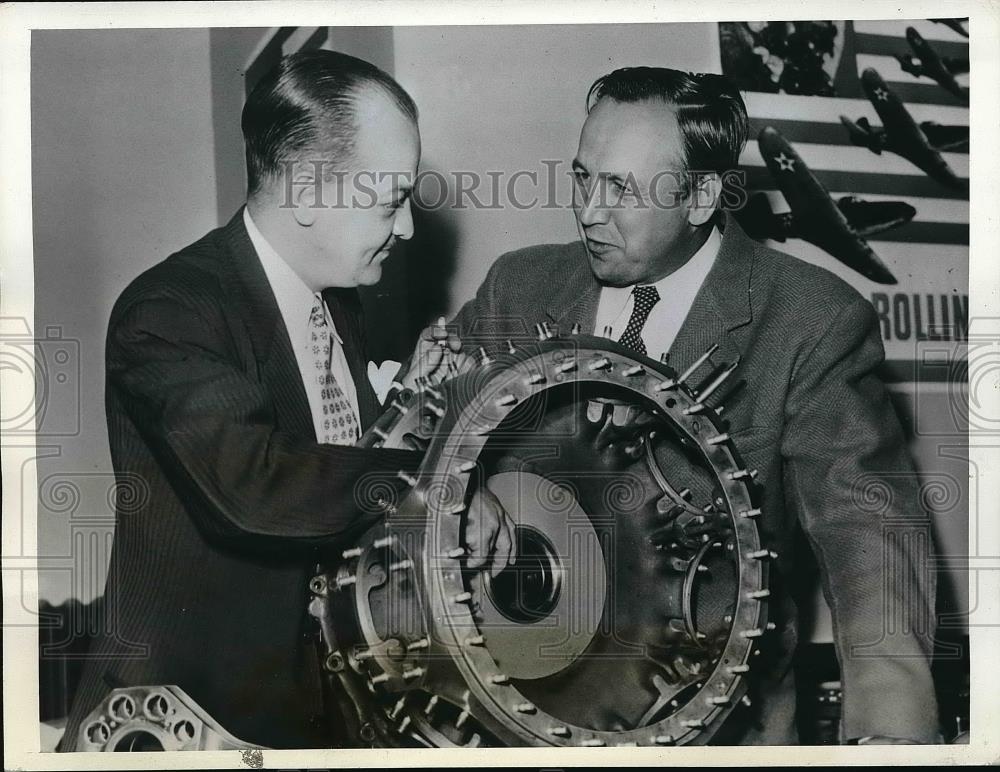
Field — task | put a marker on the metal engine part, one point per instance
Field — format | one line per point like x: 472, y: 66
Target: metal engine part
x: 635, y: 606
x: 153, y: 718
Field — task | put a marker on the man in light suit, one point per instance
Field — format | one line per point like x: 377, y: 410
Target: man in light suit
x: 236, y: 387
x: 662, y: 268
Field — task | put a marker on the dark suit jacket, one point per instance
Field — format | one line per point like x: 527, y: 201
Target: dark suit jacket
x: 225, y: 498
x: 815, y: 420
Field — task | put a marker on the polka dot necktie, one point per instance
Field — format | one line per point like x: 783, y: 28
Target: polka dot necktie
x: 644, y: 298
x: 339, y: 426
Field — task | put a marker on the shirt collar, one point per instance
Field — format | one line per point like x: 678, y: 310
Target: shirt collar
x: 295, y: 300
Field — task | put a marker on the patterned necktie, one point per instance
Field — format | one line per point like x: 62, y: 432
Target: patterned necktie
x: 644, y: 298
x: 339, y: 425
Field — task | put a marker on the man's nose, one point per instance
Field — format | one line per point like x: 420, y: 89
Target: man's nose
x: 592, y: 211
x: 402, y: 225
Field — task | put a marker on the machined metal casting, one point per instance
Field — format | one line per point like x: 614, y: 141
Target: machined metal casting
x: 638, y: 598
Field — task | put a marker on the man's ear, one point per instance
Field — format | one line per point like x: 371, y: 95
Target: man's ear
x: 704, y: 198
x: 304, y: 197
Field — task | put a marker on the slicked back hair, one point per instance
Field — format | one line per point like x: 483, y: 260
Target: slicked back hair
x: 710, y: 111
x: 305, y: 109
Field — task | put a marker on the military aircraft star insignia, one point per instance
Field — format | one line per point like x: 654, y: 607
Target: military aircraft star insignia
x: 785, y: 163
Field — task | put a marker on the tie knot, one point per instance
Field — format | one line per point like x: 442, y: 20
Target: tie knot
x: 646, y: 296
x: 316, y: 317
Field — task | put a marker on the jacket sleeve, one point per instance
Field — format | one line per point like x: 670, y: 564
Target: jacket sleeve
x: 849, y: 475
x: 173, y: 364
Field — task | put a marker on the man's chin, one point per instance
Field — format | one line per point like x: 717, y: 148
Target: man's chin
x: 608, y: 274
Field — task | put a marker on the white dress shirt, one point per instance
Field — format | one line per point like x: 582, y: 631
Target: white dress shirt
x: 677, y: 292
x: 295, y: 302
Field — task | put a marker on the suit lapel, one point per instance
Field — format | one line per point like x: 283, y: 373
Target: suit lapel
x: 721, y: 306
x: 268, y: 335
x: 577, y: 299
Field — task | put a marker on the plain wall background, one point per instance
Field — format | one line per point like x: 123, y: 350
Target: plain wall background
x: 123, y: 174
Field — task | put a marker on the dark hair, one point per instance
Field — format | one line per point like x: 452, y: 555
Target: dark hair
x: 710, y: 111
x: 306, y: 103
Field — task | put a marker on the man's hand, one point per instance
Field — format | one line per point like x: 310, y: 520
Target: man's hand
x: 438, y: 356
x: 489, y: 533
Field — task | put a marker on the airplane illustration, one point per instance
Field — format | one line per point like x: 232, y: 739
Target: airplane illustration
x: 955, y: 24
x: 839, y: 228
x: 927, y: 63
x: 920, y: 144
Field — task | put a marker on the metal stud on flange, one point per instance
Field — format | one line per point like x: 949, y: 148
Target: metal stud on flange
x: 714, y: 385
x: 722, y: 699
x: 741, y: 474
x: 749, y: 513
x: 431, y: 704
x: 484, y: 358
x: 601, y: 364
x: 417, y: 645
x: 407, y: 478
x: 507, y: 400
x: 402, y: 565
x: 664, y: 739
x: 462, y: 597
x: 456, y: 553
x: 540, y: 332
x: 698, y: 363
x: 718, y: 439
x: 559, y: 731
x: 525, y: 707
x: 536, y: 378
x: 754, y: 633
x: 594, y: 742
x: 499, y: 679
x: 693, y: 723
x: 412, y: 673
x: 738, y: 669
x: 568, y: 366
x: 633, y: 371
x: 385, y: 541
x: 758, y: 594
x: 475, y: 640
x: 403, y: 409
x: 353, y: 552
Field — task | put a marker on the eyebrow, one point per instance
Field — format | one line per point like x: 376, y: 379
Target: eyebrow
x: 614, y: 177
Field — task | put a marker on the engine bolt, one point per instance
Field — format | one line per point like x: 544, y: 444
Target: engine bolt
x: 353, y: 552
x: 559, y: 731
x: 758, y: 594
x: 749, y: 513
x: 632, y: 371
x: 737, y: 669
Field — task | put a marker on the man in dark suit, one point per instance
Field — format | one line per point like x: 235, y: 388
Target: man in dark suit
x: 660, y: 268
x: 236, y: 387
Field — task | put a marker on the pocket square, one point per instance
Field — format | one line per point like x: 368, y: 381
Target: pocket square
x: 381, y: 377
